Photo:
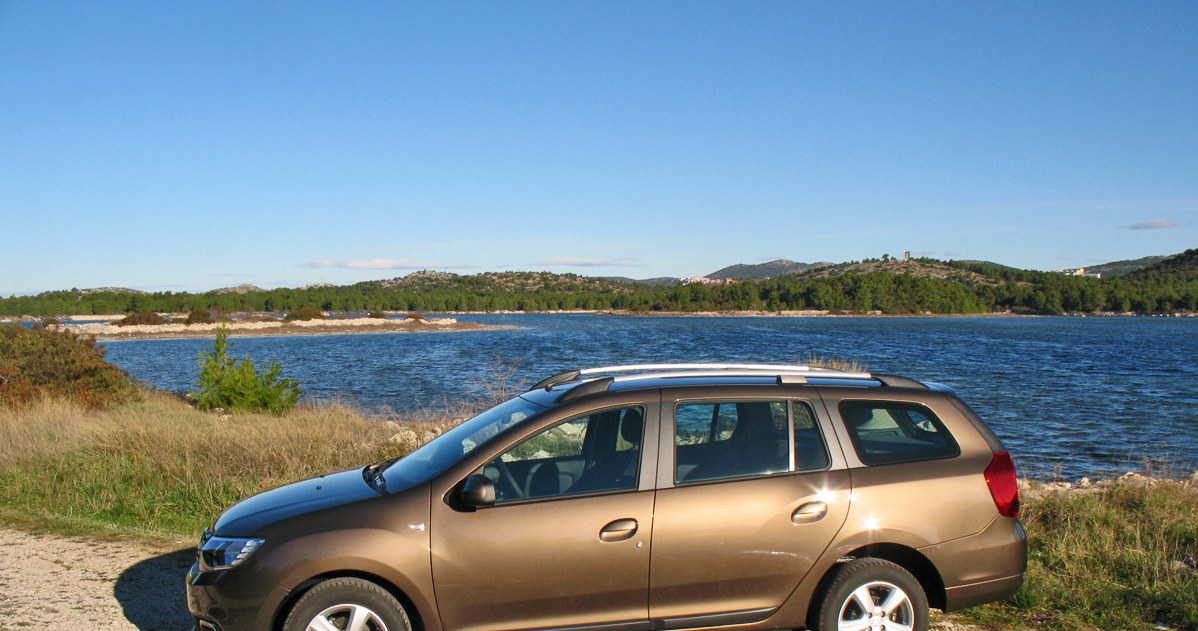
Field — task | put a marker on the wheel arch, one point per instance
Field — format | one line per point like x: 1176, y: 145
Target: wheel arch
x: 905, y: 557
x: 413, y: 612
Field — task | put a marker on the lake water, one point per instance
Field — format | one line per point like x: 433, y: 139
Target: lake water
x: 1068, y: 396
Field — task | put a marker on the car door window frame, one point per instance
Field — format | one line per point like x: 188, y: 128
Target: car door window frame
x: 667, y: 451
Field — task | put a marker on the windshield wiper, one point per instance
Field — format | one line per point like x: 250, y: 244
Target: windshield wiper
x: 373, y: 474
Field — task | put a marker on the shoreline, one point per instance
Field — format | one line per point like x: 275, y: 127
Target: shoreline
x: 108, y: 332
x: 340, y: 325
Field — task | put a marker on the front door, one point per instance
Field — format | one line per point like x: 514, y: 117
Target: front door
x: 567, y: 542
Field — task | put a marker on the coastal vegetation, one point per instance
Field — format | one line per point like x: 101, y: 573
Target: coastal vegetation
x: 886, y: 285
x: 38, y: 363
x: 1116, y: 555
x: 304, y: 314
x: 227, y: 383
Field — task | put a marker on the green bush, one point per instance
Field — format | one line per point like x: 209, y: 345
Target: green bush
x: 50, y: 322
x: 236, y: 384
x: 39, y: 363
x: 148, y: 317
x: 199, y: 316
x: 377, y: 314
x: 304, y: 313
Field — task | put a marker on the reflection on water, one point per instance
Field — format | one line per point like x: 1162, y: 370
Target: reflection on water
x: 1079, y: 396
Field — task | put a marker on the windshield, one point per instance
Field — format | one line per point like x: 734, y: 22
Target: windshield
x: 442, y: 452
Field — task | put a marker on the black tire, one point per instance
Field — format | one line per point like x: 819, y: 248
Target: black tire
x: 337, y: 599
x: 885, y: 580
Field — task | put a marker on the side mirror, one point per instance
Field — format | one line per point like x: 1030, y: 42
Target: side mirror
x: 477, y: 491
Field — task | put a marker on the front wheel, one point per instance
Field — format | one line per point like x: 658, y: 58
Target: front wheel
x: 873, y: 595
x: 347, y: 604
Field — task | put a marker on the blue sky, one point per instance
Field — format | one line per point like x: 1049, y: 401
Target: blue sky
x: 190, y: 146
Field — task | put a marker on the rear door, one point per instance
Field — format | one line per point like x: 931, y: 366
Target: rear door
x: 749, y: 498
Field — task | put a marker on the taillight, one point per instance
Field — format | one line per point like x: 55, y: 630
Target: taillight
x: 1000, y: 478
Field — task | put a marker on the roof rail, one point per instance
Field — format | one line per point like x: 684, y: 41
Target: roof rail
x: 785, y: 373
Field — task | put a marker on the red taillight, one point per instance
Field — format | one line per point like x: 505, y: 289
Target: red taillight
x: 1000, y: 478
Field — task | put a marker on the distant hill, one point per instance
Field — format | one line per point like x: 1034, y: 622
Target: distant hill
x: 240, y: 289
x: 506, y: 281
x: 660, y: 281
x: 780, y: 267
x: 975, y: 262
x: 898, y: 286
x: 1119, y: 268
x: 919, y: 267
x: 110, y: 290
x: 1184, y: 264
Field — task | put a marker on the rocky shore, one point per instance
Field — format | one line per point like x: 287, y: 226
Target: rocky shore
x: 332, y: 326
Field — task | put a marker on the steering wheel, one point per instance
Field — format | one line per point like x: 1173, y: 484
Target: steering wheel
x: 506, y: 479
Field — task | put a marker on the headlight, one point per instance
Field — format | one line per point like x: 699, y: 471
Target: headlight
x: 222, y: 553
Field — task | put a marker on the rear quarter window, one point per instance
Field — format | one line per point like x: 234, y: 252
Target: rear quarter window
x: 885, y: 432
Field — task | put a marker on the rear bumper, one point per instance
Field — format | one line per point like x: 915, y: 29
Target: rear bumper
x: 964, y: 596
x: 981, y: 568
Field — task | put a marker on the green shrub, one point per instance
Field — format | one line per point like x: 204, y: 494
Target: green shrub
x: 50, y: 322
x: 38, y: 363
x: 304, y: 313
x: 199, y: 316
x: 236, y: 384
x: 415, y: 316
x: 377, y: 314
x: 148, y: 317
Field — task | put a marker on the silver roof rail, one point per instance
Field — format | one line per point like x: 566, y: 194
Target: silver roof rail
x: 772, y: 368
x: 785, y: 373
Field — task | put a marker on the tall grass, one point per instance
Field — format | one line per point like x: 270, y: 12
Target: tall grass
x: 834, y: 363
x: 1121, y: 555
x: 163, y: 467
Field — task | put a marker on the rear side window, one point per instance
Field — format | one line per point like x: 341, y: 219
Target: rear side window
x: 714, y: 440
x: 887, y: 431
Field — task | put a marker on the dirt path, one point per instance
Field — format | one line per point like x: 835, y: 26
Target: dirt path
x: 71, y: 583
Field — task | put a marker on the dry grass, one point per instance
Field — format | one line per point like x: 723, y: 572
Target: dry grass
x: 834, y: 363
x: 164, y: 467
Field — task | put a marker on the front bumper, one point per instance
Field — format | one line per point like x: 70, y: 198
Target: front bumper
x: 237, y: 599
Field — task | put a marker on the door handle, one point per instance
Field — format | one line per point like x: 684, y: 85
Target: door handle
x: 618, y: 530
x: 809, y: 512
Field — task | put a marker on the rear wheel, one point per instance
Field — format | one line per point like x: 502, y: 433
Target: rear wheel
x: 347, y: 604
x: 873, y: 595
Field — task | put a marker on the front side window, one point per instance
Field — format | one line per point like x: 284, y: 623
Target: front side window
x: 884, y: 432
x: 588, y: 454
x: 731, y: 439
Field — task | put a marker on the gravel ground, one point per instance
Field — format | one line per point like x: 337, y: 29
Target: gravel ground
x: 61, y: 583
x: 73, y: 583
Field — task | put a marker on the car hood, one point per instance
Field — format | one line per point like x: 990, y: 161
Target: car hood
x: 247, y: 517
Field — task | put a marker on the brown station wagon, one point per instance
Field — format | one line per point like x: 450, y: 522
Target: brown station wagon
x: 642, y: 498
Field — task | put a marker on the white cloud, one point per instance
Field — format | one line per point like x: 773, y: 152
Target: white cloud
x: 374, y: 264
x: 1155, y: 224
